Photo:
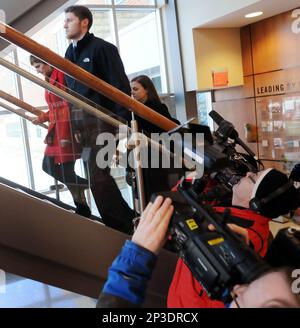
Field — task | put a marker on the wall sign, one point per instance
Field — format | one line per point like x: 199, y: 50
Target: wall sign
x: 278, y: 83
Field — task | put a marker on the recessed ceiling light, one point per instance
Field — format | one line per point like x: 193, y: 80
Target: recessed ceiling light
x: 256, y: 14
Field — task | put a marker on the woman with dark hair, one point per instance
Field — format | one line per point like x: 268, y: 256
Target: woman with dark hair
x: 62, y: 150
x: 143, y: 90
x: 155, y: 179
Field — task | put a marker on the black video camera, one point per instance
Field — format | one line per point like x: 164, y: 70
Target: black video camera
x: 222, y: 162
x: 285, y: 249
x: 218, y: 259
x: 226, y: 138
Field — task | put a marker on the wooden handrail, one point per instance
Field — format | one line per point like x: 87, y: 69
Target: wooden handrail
x: 77, y: 102
x: 102, y: 115
x: 21, y: 113
x: 20, y: 103
x: 76, y: 72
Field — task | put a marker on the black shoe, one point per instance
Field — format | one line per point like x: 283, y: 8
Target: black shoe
x: 83, y: 210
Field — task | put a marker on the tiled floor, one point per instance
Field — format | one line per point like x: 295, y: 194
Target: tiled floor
x: 18, y: 292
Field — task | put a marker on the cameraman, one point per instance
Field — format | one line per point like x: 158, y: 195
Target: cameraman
x: 277, y: 196
x: 132, y: 269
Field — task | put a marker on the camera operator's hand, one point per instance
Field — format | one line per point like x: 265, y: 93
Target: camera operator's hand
x: 152, y: 229
x: 237, y: 229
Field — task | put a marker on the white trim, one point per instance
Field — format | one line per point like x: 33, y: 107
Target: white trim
x: 259, y: 180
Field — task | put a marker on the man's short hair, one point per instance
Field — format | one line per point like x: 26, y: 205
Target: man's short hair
x: 82, y: 13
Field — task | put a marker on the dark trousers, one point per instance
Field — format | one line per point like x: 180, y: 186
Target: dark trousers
x: 64, y: 172
x: 111, y: 205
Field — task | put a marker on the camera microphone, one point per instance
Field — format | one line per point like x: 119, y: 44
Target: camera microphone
x: 227, y: 130
x: 217, y: 118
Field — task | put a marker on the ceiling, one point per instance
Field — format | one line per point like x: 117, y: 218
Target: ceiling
x: 237, y: 18
x: 13, y: 9
x: 30, y: 14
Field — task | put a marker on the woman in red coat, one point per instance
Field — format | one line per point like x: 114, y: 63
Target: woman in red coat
x: 62, y: 150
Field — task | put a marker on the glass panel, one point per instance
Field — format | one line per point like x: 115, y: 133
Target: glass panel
x: 140, y: 47
x: 32, y: 93
x: 204, y: 106
x: 11, y: 130
x: 66, y: 197
x: 278, y: 120
x: 169, y: 100
x: 103, y: 25
x: 7, y: 78
x: 36, y: 135
x: 135, y: 2
x: 43, y: 181
x: 93, y: 2
x: 53, y: 36
x: 12, y: 164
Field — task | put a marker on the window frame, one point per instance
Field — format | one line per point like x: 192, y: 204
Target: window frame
x: 114, y: 8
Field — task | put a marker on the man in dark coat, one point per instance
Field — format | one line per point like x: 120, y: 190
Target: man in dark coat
x: 101, y: 59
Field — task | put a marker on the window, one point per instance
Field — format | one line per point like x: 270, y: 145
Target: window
x: 94, y: 2
x: 132, y: 25
x: 13, y: 163
x: 32, y: 93
x: 135, y: 2
x: 52, y: 35
x: 103, y: 25
x: 139, y: 44
x: 204, y: 105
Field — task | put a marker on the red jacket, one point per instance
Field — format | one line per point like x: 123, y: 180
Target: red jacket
x: 186, y: 292
x: 59, y: 129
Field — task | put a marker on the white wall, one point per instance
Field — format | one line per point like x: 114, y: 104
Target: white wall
x: 218, y: 49
x: 192, y: 14
x: 14, y: 8
x: 139, y: 45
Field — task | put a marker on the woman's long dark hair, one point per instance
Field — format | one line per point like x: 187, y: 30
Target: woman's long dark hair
x: 35, y: 60
x: 148, y: 85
